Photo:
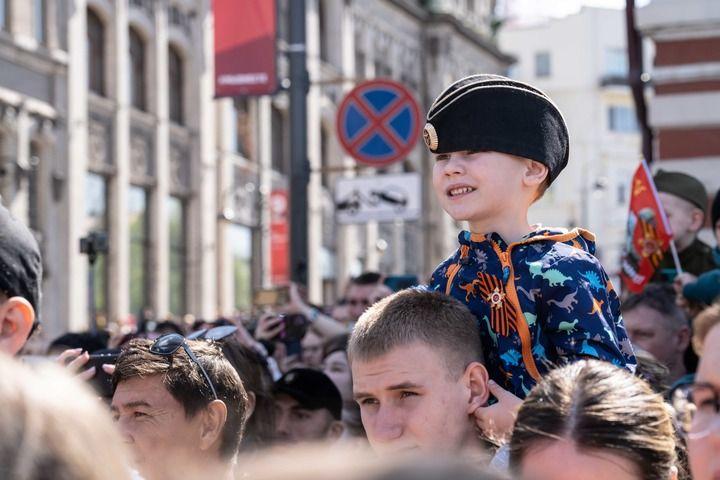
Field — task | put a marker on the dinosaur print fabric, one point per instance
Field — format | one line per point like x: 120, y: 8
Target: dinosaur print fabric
x: 539, y: 303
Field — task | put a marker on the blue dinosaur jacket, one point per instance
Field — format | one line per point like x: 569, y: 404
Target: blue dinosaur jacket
x: 540, y: 302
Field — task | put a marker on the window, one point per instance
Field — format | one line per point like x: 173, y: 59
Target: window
x: 322, y: 20
x: 95, y: 53
x: 176, y: 216
x: 34, y: 187
x: 96, y: 221
x: 39, y: 21
x: 325, y: 158
x: 177, y: 82
x: 240, y: 241
x: 139, y: 261
x: 359, y: 64
x: 616, y: 62
x: 622, y: 119
x: 137, y: 70
x: 542, y: 64
x: 4, y: 4
x: 242, y: 128
x: 280, y: 142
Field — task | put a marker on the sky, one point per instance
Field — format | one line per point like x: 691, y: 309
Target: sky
x: 529, y: 10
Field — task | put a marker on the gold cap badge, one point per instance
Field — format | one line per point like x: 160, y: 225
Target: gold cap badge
x: 430, y: 136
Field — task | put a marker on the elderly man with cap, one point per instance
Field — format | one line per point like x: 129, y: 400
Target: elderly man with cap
x: 20, y: 282
x: 685, y: 202
x: 308, y: 407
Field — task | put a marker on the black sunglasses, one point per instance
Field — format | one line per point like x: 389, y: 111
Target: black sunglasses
x: 216, y: 333
x: 170, y: 343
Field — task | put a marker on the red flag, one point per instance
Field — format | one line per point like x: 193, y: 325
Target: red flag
x: 649, y: 233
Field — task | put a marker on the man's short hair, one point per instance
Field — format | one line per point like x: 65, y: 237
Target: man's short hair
x: 661, y: 298
x: 186, y: 383
x: 418, y: 315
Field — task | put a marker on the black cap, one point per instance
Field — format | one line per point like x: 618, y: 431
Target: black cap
x: 682, y: 186
x: 312, y: 389
x: 715, y: 215
x: 20, y: 261
x: 495, y: 113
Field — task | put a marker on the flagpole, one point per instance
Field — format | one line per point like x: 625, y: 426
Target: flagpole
x: 676, y: 258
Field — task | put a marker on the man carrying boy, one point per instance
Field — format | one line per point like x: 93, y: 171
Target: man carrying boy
x: 417, y: 374
x: 539, y: 295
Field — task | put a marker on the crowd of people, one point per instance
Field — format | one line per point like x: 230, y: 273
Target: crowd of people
x: 517, y: 359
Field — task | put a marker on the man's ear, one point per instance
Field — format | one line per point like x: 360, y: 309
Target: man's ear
x: 213, y: 420
x: 476, y: 379
x: 16, y: 321
x: 535, y: 173
x: 251, y: 404
x: 335, y: 431
x: 683, y: 338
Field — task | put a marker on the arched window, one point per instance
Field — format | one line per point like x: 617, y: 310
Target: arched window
x: 176, y: 84
x: 137, y: 70
x: 95, y: 53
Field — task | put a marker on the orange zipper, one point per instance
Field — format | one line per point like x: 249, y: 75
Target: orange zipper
x: 455, y: 268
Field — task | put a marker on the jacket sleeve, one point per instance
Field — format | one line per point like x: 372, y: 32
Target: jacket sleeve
x: 583, y: 313
x: 438, y: 279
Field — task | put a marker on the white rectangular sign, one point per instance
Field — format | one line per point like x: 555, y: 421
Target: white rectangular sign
x: 382, y: 198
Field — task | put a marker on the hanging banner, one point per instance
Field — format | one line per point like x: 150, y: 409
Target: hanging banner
x: 279, y: 237
x: 245, y: 39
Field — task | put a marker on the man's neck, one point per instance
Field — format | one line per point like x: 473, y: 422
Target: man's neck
x: 684, y: 242
x: 510, y: 227
x: 676, y: 371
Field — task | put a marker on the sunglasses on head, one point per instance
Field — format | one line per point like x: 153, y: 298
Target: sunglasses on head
x: 215, y: 334
x: 171, y: 343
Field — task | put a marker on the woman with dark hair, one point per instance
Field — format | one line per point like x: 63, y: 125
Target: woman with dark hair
x: 337, y: 367
x: 592, y: 420
x: 258, y: 383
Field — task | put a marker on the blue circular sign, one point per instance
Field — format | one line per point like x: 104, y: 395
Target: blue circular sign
x: 378, y: 122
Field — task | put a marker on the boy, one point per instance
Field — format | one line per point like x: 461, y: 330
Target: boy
x: 539, y: 295
x: 417, y: 374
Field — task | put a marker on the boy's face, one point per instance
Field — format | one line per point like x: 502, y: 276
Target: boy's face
x: 477, y: 186
x: 409, y: 400
x: 682, y: 215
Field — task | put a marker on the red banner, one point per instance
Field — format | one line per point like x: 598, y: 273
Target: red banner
x: 245, y: 34
x: 649, y: 233
x: 279, y: 238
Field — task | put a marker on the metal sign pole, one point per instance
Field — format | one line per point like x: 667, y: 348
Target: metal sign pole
x: 299, y: 164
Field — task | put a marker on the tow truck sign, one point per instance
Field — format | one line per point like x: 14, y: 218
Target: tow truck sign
x: 382, y: 198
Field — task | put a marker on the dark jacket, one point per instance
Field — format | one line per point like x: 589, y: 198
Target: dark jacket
x: 696, y: 259
x: 539, y: 303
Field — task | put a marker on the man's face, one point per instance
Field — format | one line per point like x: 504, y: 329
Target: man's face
x: 651, y: 331
x: 359, y: 298
x: 155, y: 427
x: 294, y: 424
x: 679, y: 213
x: 409, y: 400
x: 474, y: 186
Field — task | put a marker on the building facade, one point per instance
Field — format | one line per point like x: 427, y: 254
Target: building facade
x: 684, y: 112
x: 108, y: 124
x: 580, y: 61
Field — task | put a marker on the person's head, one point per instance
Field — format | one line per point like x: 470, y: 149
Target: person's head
x: 336, y: 367
x: 496, y: 141
x: 87, y: 341
x: 415, y: 358
x: 308, y: 407
x: 258, y: 383
x: 167, y: 412
x: 704, y: 433
x: 364, y: 290
x: 51, y: 426
x: 702, y: 324
x: 656, y: 324
x: 592, y: 420
x: 20, y: 283
x: 703, y: 290
x: 684, y: 200
x: 312, y: 350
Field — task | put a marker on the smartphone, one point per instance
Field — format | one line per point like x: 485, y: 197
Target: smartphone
x: 272, y: 297
x: 102, y: 382
x: 296, y: 325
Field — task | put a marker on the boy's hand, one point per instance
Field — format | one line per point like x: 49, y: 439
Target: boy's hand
x: 496, y: 421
